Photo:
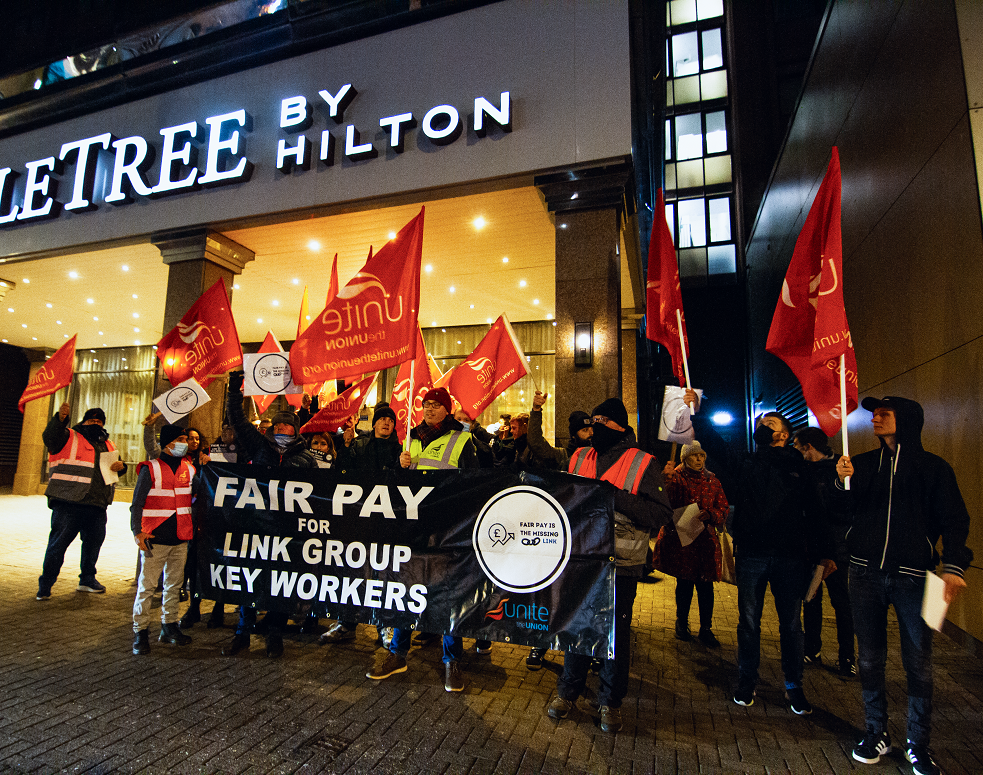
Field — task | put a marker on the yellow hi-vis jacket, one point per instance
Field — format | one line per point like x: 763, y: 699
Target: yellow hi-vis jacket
x: 440, y: 453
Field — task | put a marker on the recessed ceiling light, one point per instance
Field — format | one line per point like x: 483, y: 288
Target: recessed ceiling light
x: 136, y: 314
x: 91, y: 351
x: 522, y: 283
x: 100, y: 333
x: 66, y: 336
x: 259, y: 320
x: 23, y: 325
x: 34, y: 338
x: 3, y: 340
x: 392, y: 235
x: 296, y: 281
x: 48, y: 305
x: 27, y: 281
x: 505, y: 259
x: 314, y: 245
x: 235, y: 286
x: 10, y: 309
x: 137, y: 341
x: 479, y: 223
x: 91, y: 301
x: 472, y: 306
x: 73, y: 275
x: 535, y: 301
x: 275, y: 303
x: 58, y: 322
x: 125, y: 268
x: 136, y: 330
x: 488, y: 320
x: 549, y: 315
x: 451, y: 289
x: 458, y: 341
x: 134, y: 296
x: 428, y: 268
x: 96, y: 319
x: 433, y: 322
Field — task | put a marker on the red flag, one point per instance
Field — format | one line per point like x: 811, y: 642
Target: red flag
x: 204, y: 341
x: 422, y: 382
x: 335, y: 414
x: 333, y: 282
x: 496, y: 363
x: 662, y: 294
x: 55, y: 374
x: 809, y: 330
x: 304, y: 319
x: 371, y: 324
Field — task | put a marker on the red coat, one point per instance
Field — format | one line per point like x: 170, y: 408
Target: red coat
x: 700, y: 561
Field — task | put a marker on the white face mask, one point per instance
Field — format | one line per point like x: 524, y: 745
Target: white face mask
x: 282, y: 439
x: 179, y: 449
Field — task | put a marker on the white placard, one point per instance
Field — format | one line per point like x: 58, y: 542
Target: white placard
x: 181, y: 400
x: 106, y: 459
x: 934, y: 607
x: 268, y: 374
x: 688, y: 523
x: 677, y: 421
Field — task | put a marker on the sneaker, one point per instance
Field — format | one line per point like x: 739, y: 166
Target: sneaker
x: 482, y: 646
x: 610, y: 719
x: 744, y: 695
x: 682, y: 630
x: 535, y: 659
x: 141, y: 643
x: 336, y: 633
x: 872, y: 748
x: 921, y: 760
x: 386, y: 664
x: 453, y: 678
x: 708, y: 639
x: 91, y: 585
x: 848, y: 668
x: 815, y: 660
x: 559, y: 708
x: 44, y: 593
x: 797, y: 701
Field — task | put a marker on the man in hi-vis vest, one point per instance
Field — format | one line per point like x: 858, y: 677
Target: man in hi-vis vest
x: 77, y: 494
x: 439, y: 441
x: 640, y: 506
x: 160, y: 517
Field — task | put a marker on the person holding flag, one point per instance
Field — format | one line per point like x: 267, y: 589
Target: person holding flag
x: 441, y: 442
x: 78, y: 494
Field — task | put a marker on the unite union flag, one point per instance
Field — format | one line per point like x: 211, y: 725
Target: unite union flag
x: 496, y: 364
x: 335, y: 414
x: 55, y: 374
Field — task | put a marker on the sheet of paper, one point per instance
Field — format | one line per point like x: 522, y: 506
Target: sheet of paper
x: 220, y: 453
x: 817, y: 579
x: 106, y: 459
x: 688, y: 523
x: 268, y: 374
x: 181, y: 400
x: 934, y: 607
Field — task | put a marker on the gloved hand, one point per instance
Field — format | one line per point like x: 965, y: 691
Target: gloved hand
x: 236, y: 378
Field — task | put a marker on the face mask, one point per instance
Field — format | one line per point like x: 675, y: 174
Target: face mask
x: 604, y: 437
x: 282, y: 439
x: 179, y: 449
x: 763, y: 436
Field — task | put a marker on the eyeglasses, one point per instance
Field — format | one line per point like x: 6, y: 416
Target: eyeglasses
x: 600, y: 418
x: 431, y: 404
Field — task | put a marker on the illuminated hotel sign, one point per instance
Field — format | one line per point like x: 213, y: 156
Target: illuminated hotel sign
x: 107, y: 169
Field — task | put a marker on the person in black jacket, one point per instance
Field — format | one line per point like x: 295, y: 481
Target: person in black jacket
x: 281, y: 446
x: 901, y: 500
x: 779, y: 535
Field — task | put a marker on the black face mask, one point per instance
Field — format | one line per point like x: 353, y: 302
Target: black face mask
x: 604, y: 437
x: 763, y: 436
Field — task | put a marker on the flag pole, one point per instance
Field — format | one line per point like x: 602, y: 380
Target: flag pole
x: 409, y: 410
x: 682, y: 348
x: 846, y: 440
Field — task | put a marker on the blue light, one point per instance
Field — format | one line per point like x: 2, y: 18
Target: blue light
x: 722, y: 418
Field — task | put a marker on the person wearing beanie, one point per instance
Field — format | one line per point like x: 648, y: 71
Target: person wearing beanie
x: 640, y: 505
x: 441, y: 442
x: 160, y: 518
x: 696, y: 565
x: 780, y: 535
x: 78, y: 496
x: 281, y: 446
x: 820, y: 467
x: 581, y: 430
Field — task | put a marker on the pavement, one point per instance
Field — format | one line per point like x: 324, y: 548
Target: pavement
x: 74, y: 699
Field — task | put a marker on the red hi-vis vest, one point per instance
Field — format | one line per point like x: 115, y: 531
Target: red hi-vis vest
x: 626, y: 474
x: 170, y: 493
x: 72, y: 468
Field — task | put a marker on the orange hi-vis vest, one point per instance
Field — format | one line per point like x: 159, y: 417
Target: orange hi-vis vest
x: 170, y: 493
x: 72, y: 468
x: 626, y: 474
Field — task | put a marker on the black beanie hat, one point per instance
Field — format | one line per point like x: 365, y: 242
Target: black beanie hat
x: 613, y: 409
x: 578, y: 421
x: 170, y: 432
x: 383, y: 411
x: 287, y: 418
x: 95, y: 414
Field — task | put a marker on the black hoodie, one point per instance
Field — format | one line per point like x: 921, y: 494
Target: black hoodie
x: 900, y: 503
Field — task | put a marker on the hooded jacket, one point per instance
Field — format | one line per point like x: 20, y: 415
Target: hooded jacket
x: 900, y: 503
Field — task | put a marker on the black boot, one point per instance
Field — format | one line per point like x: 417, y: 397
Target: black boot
x: 141, y: 643
x: 239, y: 642
x: 171, y: 634
x: 192, y: 616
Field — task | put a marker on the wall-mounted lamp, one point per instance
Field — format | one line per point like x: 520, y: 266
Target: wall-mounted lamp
x: 583, y: 344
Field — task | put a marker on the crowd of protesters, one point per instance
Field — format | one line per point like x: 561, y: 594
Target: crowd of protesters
x: 867, y: 526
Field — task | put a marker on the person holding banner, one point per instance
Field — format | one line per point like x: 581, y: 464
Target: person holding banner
x: 281, y: 446
x: 640, y: 505
x: 902, y: 499
x: 439, y: 442
x: 78, y: 494
x: 160, y: 517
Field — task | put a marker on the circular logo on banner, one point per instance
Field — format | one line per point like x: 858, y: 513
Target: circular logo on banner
x: 182, y: 400
x: 522, y: 539
x: 271, y: 373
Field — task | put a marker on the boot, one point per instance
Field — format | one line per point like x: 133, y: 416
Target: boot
x: 192, y: 616
x: 141, y: 643
x: 239, y: 642
x: 682, y: 630
x: 171, y: 634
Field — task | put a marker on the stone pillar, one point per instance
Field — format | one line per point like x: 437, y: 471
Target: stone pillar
x: 588, y: 206
x: 30, y: 457
x: 196, y: 259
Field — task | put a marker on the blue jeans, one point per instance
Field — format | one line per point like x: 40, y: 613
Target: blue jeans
x: 787, y: 577
x: 400, y: 645
x: 871, y: 592
x: 69, y: 520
